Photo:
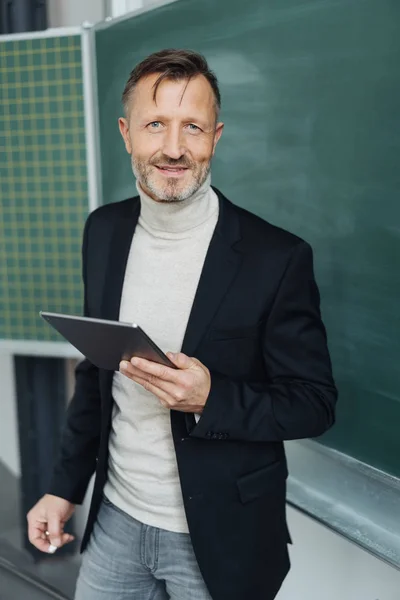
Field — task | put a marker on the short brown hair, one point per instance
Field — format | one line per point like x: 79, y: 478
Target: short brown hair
x: 173, y: 65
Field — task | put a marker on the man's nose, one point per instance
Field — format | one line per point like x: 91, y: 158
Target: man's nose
x: 173, y: 146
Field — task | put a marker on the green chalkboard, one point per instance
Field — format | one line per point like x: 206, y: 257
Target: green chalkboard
x: 43, y: 183
x: 310, y: 101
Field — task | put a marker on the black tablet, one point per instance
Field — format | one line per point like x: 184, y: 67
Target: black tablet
x: 106, y: 343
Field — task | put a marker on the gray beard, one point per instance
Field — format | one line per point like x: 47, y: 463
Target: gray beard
x: 170, y: 192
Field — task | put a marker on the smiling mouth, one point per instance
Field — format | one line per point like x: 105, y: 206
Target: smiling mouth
x: 174, y: 171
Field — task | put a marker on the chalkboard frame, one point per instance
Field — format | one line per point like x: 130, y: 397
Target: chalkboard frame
x: 50, y: 347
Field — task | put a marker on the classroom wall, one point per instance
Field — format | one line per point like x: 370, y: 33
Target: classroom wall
x: 326, y: 566
x: 121, y: 7
x: 68, y: 13
x: 115, y: 8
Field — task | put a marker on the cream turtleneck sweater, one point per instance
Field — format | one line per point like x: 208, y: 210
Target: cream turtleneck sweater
x: 163, y: 270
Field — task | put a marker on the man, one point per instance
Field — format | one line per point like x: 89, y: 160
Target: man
x: 189, y: 496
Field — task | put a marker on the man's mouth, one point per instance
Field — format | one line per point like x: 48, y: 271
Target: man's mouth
x: 171, y: 171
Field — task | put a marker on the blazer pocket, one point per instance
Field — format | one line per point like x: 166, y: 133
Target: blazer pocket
x: 260, y: 482
x: 233, y: 333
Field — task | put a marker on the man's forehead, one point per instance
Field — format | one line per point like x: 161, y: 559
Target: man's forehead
x: 195, y: 92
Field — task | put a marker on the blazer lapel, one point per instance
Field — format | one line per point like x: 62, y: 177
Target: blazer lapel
x: 121, y: 239
x: 221, y: 265
x: 117, y: 259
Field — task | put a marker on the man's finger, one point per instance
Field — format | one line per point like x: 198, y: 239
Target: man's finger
x: 35, y: 525
x: 160, y: 393
x: 168, y: 401
x: 159, y: 371
x: 42, y: 542
x: 164, y: 390
x: 66, y: 538
x: 36, y: 532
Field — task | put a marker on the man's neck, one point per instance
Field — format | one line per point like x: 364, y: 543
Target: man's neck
x: 174, y: 217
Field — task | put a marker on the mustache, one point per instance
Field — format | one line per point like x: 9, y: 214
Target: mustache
x: 171, y: 162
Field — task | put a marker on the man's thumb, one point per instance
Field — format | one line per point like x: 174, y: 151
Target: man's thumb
x: 180, y: 360
x: 55, y: 530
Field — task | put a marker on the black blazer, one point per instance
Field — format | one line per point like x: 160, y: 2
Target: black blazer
x: 256, y: 324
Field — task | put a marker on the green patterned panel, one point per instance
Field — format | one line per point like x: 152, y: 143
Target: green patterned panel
x: 43, y: 183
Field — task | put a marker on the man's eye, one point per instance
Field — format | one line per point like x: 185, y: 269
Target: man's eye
x: 155, y: 125
x: 193, y: 127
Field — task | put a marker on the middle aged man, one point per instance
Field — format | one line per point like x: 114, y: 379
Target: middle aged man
x: 189, y: 497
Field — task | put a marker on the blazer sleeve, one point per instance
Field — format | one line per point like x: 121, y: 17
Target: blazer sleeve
x: 76, y: 460
x: 298, y: 399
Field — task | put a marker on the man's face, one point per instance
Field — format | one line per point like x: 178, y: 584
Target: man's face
x: 171, y: 140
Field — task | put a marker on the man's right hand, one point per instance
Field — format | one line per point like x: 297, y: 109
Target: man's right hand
x: 46, y: 522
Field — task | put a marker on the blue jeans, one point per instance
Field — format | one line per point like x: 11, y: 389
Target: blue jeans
x: 127, y: 560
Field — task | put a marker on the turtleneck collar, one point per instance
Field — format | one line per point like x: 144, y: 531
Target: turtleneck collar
x: 177, y: 217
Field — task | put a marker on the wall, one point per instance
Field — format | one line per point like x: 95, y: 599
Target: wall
x: 121, y: 7
x: 115, y: 8
x: 68, y: 13
x: 325, y: 566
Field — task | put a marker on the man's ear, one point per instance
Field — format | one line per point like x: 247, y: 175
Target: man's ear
x: 124, y: 129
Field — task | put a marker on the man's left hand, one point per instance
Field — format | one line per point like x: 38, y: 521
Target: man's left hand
x: 185, y: 389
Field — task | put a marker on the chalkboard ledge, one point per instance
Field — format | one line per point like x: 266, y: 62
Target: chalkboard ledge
x: 39, y: 348
x: 348, y: 496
